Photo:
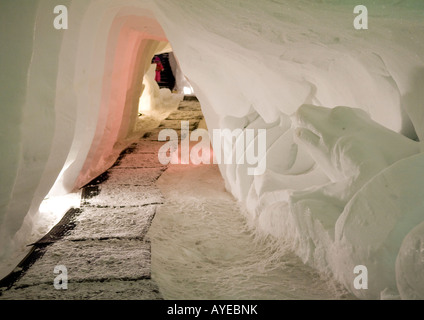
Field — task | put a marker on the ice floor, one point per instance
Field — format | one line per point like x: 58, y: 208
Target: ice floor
x: 202, y: 247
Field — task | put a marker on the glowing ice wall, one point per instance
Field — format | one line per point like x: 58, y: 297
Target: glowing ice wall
x: 70, y: 99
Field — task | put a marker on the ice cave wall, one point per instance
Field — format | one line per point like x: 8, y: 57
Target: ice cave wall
x: 72, y: 100
x: 71, y: 97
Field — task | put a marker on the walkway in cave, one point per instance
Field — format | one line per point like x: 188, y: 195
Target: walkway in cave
x: 103, y: 246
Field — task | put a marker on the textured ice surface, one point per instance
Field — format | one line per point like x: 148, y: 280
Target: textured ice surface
x: 92, y: 260
x: 146, y: 147
x: 176, y: 124
x: 139, y: 177
x: 393, y: 201
x: 409, y: 271
x: 140, y: 161
x: 202, y: 247
x: 189, y: 105
x: 98, y: 223
x: 94, y: 290
x: 184, y: 115
x: 125, y: 195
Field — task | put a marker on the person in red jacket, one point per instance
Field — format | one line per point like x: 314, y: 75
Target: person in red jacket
x: 159, y: 68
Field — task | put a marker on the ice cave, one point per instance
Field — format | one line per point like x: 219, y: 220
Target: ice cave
x: 338, y: 86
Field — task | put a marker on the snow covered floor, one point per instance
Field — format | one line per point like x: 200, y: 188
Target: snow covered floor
x: 202, y: 247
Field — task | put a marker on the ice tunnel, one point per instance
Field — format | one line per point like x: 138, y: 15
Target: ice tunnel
x: 342, y: 106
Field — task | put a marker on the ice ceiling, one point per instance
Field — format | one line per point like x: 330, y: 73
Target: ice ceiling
x: 343, y: 109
